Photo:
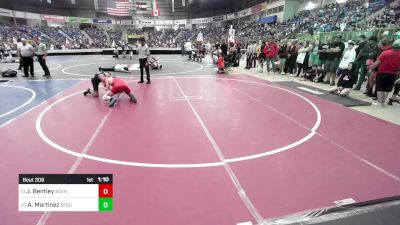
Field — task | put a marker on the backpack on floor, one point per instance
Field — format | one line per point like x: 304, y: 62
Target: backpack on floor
x: 9, y: 73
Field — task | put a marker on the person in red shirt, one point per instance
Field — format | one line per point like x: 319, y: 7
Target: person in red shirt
x: 114, y: 87
x: 221, y: 63
x: 271, y: 52
x: 383, y: 45
x: 388, y: 65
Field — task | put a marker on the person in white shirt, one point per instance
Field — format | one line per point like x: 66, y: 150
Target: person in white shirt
x: 249, y: 54
x: 188, y: 49
x: 200, y: 37
x: 41, y: 52
x: 19, y: 44
x: 144, y: 54
x: 116, y: 68
x: 349, y: 55
x: 27, y: 52
x: 208, y: 47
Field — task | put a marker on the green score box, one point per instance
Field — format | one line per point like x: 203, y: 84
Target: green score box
x: 105, y: 204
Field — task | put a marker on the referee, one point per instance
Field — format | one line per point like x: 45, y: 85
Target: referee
x: 41, y: 52
x: 27, y: 52
x: 144, y: 54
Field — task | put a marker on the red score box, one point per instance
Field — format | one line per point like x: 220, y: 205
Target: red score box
x: 105, y: 191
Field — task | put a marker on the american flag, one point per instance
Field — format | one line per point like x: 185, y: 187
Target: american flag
x: 119, y: 7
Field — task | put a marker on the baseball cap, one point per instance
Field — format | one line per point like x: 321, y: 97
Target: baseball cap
x: 396, y: 44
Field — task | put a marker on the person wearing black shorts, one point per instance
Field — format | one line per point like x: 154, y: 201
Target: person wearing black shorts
x: 335, y: 52
x: 96, y: 80
x: 388, y: 65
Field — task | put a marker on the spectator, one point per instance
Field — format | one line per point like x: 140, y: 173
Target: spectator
x: 250, y: 55
x: 388, y: 64
x: 310, y: 74
x: 224, y: 48
x: 383, y: 45
x: 261, y: 56
x: 345, y: 82
x: 359, y: 62
x: 290, y: 64
x: 302, y: 58
x: 314, y: 59
x: 362, y: 58
x: 322, y: 53
x: 271, y: 52
x: 335, y: 52
x: 282, y: 53
x: 349, y: 55
x: 319, y: 75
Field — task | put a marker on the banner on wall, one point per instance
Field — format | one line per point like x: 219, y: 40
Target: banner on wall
x: 218, y: 18
x: 177, y: 22
x: 135, y: 36
x: 244, y: 12
x: 202, y: 20
x: 269, y: 19
x: 124, y: 22
x: 231, y: 16
x: 27, y: 15
x: 263, y: 7
x: 6, y: 12
x: 53, y: 18
x: 146, y: 23
x: 164, y: 22
x: 104, y: 21
x: 73, y: 19
x: 259, y: 8
x: 33, y: 16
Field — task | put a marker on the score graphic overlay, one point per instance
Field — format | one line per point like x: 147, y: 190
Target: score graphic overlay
x: 65, y: 192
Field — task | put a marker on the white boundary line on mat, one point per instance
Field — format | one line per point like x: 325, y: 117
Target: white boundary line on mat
x: 181, y: 165
x: 24, y: 104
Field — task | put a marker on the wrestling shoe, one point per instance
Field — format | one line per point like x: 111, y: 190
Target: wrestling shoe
x: 113, y: 101
x: 133, y: 99
x: 86, y: 92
